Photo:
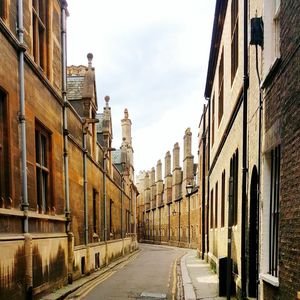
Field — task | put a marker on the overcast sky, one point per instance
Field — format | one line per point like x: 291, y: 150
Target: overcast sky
x: 151, y: 57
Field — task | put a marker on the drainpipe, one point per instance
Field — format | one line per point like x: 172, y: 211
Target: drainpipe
x: 189, y: 221
x: 22, y: 120
x: 65, y: 106
x: 104, y: 195
x: 22, y: 123
x: 65, y: 140
x: 229, y: 239
x: 259, y: 162
x: 153, y: 227
x: 203, y: 185
x: 160, y: 225
x: 244, y: 162
x: 169, y: 223
x: 179, y: 221
x: 208, y: 163
x: 122, y: 200
x: 86, y: 224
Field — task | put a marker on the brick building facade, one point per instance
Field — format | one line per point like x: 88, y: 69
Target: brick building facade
x: 167, y: 209
x: 250, y: 149
x: 67, y: 204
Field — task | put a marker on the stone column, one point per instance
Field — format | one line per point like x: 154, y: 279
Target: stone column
x: 153, y: 188
x: 159, y: 183
x: 177, y: 174
x: 188, y: 160
x: 147, y: 191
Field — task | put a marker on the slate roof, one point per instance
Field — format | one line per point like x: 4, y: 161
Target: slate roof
x: 74, y: 87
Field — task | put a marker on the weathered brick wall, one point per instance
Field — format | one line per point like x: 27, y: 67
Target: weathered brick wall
x: 283, y: 104
x: 289, y: 81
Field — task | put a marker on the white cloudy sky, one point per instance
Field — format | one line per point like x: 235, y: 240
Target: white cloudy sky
x: 150, y: 56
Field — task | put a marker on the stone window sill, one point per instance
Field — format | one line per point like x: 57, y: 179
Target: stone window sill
x: 271, y: 72
x: 269, y: 279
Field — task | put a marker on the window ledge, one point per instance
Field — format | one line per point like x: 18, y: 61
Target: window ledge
x: 269, y: 279
x: 271, y: 72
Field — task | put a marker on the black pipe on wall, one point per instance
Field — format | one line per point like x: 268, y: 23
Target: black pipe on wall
x: 244, y: 156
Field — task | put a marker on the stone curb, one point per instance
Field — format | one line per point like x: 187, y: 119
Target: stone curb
x: 189, y: 293
x: 63, y: 292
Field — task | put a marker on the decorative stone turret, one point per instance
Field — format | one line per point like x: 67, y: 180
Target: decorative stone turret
x: 188, y: 160
x: 147, y: 191
x: 106, y: 125
x: 177, y: 174
x: 153, y: 188
x: 126, y: 146
x: 159, y: 183
x: 168, y: 178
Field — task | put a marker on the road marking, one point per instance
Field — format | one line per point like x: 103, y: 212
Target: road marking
x: 102, y: 278
x: 95, y: 284
x: 174, y: 280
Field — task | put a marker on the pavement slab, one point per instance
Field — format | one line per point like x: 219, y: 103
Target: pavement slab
x: 198, y: 275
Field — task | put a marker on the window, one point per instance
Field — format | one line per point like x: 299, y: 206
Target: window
x: 234, y: 162
x: 42, y: 152
x: 274, y: 211
x: 39, y: 23
x: 216, y: 205
x: 223, y: 200
x: 110, y: 215
x: 94, y: 211
x: 221, y: 88
x: 128, y: 221
x: 211, y: 209
x: 3, y: 9
x: 276, y: 28
x: 234, y: 38
x: 3, y: 150
x: 272, y: 40
x: 213, y: 121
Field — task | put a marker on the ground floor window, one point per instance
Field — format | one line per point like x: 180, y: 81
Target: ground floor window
x: 274, y: 211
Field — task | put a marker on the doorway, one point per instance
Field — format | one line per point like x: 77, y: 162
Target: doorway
x: 253, y: 235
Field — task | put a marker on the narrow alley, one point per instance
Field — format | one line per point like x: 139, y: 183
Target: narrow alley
x: 149, y: 274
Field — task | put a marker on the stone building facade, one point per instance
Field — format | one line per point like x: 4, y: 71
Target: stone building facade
x: 248, y: 142
x: 167, y: 210
x: 66, y: 208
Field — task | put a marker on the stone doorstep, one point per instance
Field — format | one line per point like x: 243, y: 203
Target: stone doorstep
x: 70, y: 288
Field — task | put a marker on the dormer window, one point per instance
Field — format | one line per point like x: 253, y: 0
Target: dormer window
x: 39, y: 33
x: 234, y: 38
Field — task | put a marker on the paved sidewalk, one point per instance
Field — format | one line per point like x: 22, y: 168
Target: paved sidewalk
x: 199, y: 282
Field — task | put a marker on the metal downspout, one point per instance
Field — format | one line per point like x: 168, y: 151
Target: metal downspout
x: 208, y: 177
x: 244, y: 159
x: 229, y: 235
x: 104, y: 195
x: 65, y: 118
x: 258, y: 164
x: 122, y: 208
x: 153, y: 237
x: 22, y: 120
x: 203, y: 186
x: 86, y: 228
x: 189, y: 221
x: 179, y: 212
x: 22, y: 123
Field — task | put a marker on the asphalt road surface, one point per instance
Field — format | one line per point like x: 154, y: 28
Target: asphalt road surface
x: 150, y: 274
